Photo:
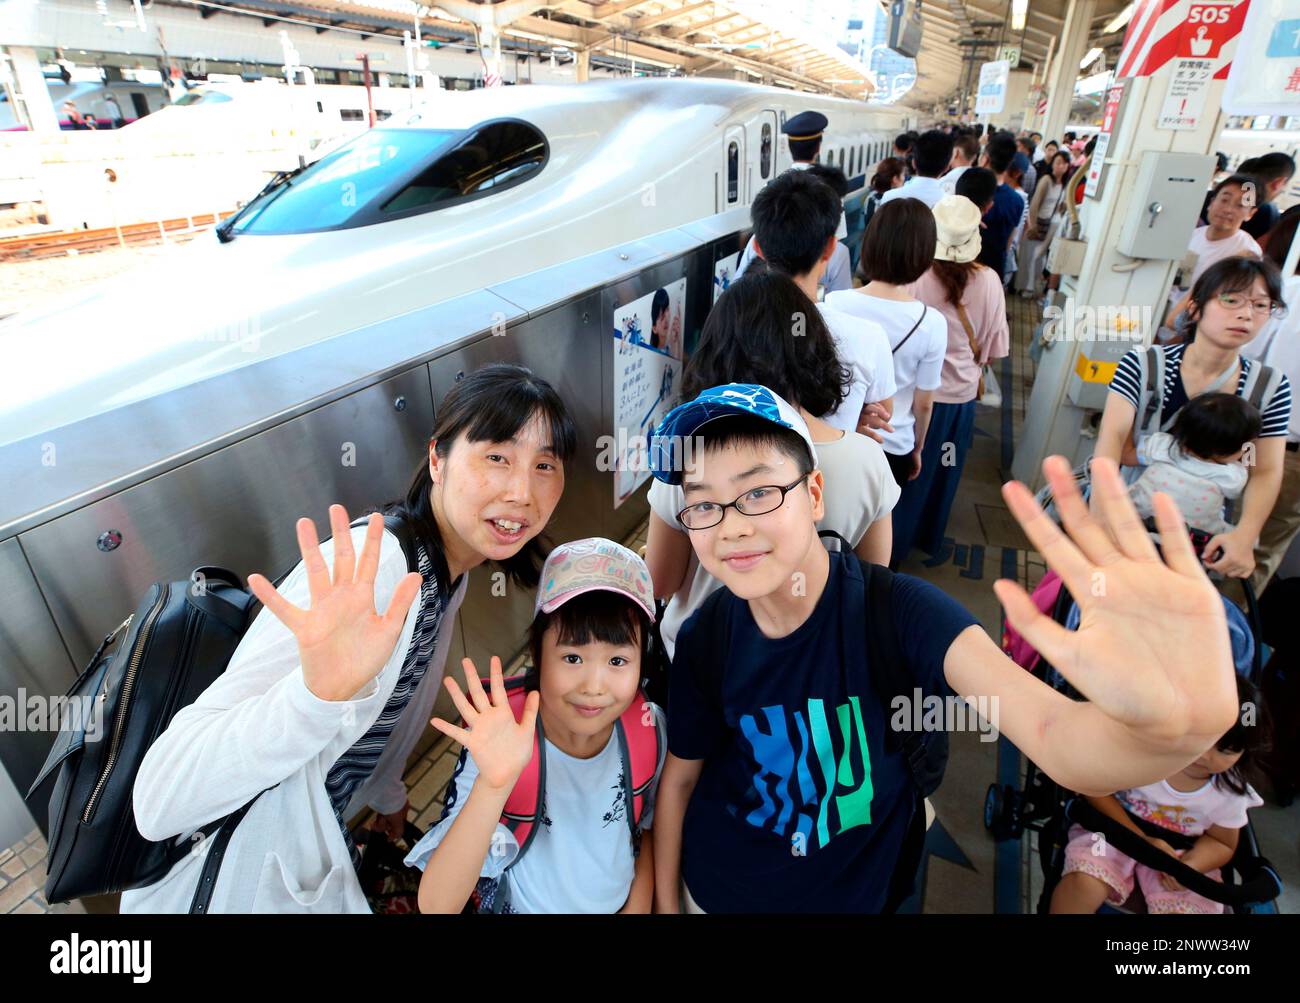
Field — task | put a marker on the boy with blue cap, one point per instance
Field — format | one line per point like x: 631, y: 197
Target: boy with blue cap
x: 792, y: 784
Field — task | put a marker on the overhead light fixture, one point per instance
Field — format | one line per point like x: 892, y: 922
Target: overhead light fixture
x: 1090, y: 58
x: 1120, y: 19
x: 1019, y: 9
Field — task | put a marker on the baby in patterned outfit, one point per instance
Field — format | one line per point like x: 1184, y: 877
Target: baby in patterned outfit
x: 1201, y: 462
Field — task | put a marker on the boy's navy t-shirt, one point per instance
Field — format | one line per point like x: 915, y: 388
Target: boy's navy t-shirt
x: 799, y: 807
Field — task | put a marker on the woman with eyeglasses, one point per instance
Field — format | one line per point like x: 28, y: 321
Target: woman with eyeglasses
x: 1229, y: 304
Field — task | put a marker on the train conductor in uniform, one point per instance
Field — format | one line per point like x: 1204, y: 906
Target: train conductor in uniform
x: 804, y: 133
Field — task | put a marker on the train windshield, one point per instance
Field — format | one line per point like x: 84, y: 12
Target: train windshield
x: 332, y: 191
x: 390, y: 173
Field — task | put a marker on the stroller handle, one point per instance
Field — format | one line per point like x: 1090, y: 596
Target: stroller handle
x: 1261, y: 885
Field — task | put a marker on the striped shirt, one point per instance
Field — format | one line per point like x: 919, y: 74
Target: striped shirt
x: 352, y: 768
x: 1127, y: 382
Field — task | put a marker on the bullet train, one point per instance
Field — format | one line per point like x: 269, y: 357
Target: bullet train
x: 430, y: 204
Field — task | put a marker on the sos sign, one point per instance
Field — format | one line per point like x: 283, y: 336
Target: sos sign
x: 1207, y: 27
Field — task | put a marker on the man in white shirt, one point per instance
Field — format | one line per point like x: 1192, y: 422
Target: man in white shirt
x: 965, y: 151
x: 1232, y: 203
x: 802, y: 250
x: 931, y: 154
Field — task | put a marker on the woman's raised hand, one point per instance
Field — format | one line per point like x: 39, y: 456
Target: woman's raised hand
x: 342, y: 641
x: 500, y: 745
x: 1152, y: 650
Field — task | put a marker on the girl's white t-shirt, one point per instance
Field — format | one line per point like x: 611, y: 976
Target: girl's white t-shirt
x: 917, y: 365
x: 1190, y: 812
x: 581, y: 859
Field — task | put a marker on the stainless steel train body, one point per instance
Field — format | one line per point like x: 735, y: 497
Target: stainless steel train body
x: 134, y: 446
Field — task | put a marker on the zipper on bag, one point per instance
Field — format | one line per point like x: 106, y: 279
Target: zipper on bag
x: 124, y: 703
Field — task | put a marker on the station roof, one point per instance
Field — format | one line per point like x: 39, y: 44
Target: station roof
x: 963, y: 33
x: 753, y: 36
x: 756, y: 37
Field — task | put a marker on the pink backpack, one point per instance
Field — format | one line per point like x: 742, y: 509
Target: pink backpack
x: 1045, y: 597
x: 639, y: 747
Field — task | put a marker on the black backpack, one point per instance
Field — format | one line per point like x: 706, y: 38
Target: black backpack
x: 177, y: 642
x: 926, y: 752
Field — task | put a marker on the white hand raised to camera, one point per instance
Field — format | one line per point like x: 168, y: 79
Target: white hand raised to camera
x: 343, y: 642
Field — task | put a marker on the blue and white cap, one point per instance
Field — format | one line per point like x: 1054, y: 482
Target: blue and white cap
x: 726, y: 401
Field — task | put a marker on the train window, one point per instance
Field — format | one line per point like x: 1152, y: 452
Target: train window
x: 336, y: 190
x: 497, y: 154
x: 382, y: 113
x: 733, y: 172
x: 351, y: 114
x: 765, y: 151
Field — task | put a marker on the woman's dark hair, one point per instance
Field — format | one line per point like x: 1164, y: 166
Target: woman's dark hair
x: 898, y: 244
x: 1216, y: 424
x: 886, y: 171
x: 1249, y: 735
x: 657, y: 308
x: 1059, y: 155
x: 1233, y: 275
x: 764, y: 330
x: 1278, y: 240
x: 954, y: 276
x: 601, y: 616
x: 658, y: 305
x: 491, y: 404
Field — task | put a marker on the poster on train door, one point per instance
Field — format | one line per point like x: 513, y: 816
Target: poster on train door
x: 647, y: 378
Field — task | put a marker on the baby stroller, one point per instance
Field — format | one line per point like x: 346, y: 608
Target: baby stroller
x: 1249, y: 882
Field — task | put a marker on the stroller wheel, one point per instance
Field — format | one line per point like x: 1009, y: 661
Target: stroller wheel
x: 1001, y: 812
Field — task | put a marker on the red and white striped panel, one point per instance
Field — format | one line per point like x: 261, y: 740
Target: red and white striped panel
x: 1162, y: 30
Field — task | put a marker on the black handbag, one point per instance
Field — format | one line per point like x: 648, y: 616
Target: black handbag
x: 177, y: 642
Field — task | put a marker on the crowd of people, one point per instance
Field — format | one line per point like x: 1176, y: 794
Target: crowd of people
x: 822, y: 437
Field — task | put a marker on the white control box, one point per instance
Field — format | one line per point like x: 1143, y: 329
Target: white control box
x: 1166, y: 205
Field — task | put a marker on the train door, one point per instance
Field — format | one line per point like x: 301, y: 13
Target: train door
x: 733, y: 164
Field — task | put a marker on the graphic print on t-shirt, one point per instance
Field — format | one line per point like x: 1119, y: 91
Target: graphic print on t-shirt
x: 615, y: 812
x: 801, y: 789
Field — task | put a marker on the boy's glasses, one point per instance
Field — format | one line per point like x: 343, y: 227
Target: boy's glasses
x: 1235, y: 301
x: 755, y: 501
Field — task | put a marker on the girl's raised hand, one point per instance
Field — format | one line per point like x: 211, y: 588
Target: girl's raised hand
x: 342, y: 641
x: 1152, y: 650
x: 500, y: 745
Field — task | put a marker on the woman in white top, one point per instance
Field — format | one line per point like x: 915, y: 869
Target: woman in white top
x: 898, y: 248
x: 1048, y: 200
x: 748, y: 339
x: 335, y: 679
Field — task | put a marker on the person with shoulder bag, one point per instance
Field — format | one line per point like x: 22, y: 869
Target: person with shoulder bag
x: 968, y: 295
x: 314, y: 717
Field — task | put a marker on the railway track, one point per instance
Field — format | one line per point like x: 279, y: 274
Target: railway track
x: 55, y: 245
